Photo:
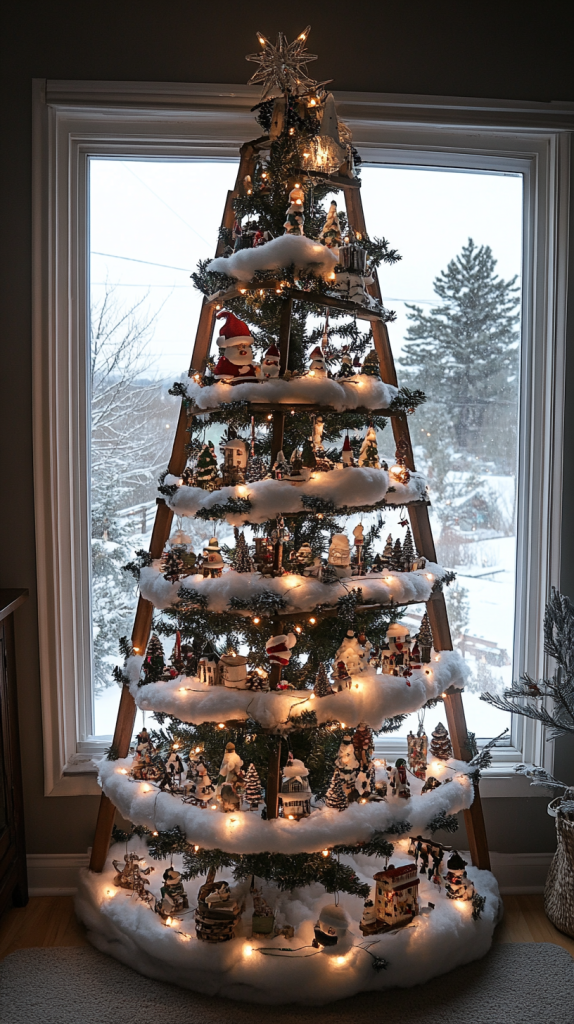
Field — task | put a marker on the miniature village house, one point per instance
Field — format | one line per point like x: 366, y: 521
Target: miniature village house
x: 208, y: 666
x: 396, y: 899
x: 235, y: 454
x: 295, y: 790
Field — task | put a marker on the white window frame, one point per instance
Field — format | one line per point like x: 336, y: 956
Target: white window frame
x: 76, y: 120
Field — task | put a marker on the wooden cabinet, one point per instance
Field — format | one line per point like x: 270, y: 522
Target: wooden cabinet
x: 13, y: 878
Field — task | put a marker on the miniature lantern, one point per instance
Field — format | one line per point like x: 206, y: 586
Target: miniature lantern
x: 417, y: 754
x: 233, y: 670
x: 340, y: 554
x: 325, y: 152
x: 179, y: 539
x: 332, y: 929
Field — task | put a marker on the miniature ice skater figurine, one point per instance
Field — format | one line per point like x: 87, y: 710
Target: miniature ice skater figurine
x: 236, y: 361
x: 173, y: 895
x: 399, y: 779
x: 200, y: 790
x: 174, y: 766
x: 331, y: 930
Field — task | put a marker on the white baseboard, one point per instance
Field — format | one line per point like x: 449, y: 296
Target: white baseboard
x: 520, y: 873
x: 56, y: 874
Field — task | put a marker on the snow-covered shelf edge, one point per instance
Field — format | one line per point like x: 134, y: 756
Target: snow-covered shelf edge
x: 436, y: 942
x: 247, y: 832
x: 302, y: 594
x: 347, y: 395
x: 288, y: 250
x: 354, y: 486
x: 371, y: 698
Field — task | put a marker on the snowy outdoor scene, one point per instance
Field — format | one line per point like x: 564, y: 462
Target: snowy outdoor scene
x: 150, y: 223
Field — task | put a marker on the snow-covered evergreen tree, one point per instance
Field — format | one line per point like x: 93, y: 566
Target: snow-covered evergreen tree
x: 154, y: 661
x: 242, y: 561
x: 322, y: 687
x: 253, y: 788
x: 172, y: 566
x: 369, y: 454
x: 425, y: 639
x: 370, y: 365
x: 464, y: 353
x: 336, y: 797
x: 331, y: 231
x: 206, y: 473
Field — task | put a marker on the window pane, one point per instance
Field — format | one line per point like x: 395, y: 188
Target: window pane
x: 150, y: 223
x: 457, y: 337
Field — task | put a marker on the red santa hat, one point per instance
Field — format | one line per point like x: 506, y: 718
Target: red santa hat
x: 317, y: 353
x: 272, y: 352
x: 347, y: 444
x: 234, y: 331
x: 279, y: 648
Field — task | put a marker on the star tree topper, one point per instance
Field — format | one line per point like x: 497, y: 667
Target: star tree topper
x: 282, y: 66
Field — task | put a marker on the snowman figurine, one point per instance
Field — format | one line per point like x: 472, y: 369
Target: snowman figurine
x: 235, y: 365
x: 270, y: 364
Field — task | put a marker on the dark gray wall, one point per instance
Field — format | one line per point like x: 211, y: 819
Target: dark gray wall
x: 503, y: 50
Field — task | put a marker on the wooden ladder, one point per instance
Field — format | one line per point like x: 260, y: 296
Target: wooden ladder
x: 419, y: 517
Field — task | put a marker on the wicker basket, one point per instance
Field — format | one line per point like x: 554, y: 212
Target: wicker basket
x: 559, y: 890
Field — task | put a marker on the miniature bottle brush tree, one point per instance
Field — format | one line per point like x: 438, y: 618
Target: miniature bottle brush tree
x: 270, y: 854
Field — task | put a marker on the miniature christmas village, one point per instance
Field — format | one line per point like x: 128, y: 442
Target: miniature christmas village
x: 258, y: 783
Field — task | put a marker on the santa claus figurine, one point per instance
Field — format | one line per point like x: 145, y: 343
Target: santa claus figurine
x: 279, y: 648
x: 270, y: 364
x: 235, y: 364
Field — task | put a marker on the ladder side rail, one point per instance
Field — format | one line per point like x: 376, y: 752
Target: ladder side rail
x: 422, y: 534
x: 161, y: 529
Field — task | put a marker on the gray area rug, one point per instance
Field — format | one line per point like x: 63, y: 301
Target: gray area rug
x: 513, y: 984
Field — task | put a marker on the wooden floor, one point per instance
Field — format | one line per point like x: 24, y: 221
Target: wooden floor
x: 50, y: 921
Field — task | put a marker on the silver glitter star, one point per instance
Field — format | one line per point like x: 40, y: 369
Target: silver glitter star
x: 282, y: 66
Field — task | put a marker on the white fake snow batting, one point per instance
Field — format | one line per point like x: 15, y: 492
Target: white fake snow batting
x: 436, y: 942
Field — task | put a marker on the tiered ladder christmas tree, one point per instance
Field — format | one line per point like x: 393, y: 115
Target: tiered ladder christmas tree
x: 290, y: 658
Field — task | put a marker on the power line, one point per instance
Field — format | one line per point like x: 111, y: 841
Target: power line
x: 141, y: 284
x: 175, y: 213
x: 132, y: 259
